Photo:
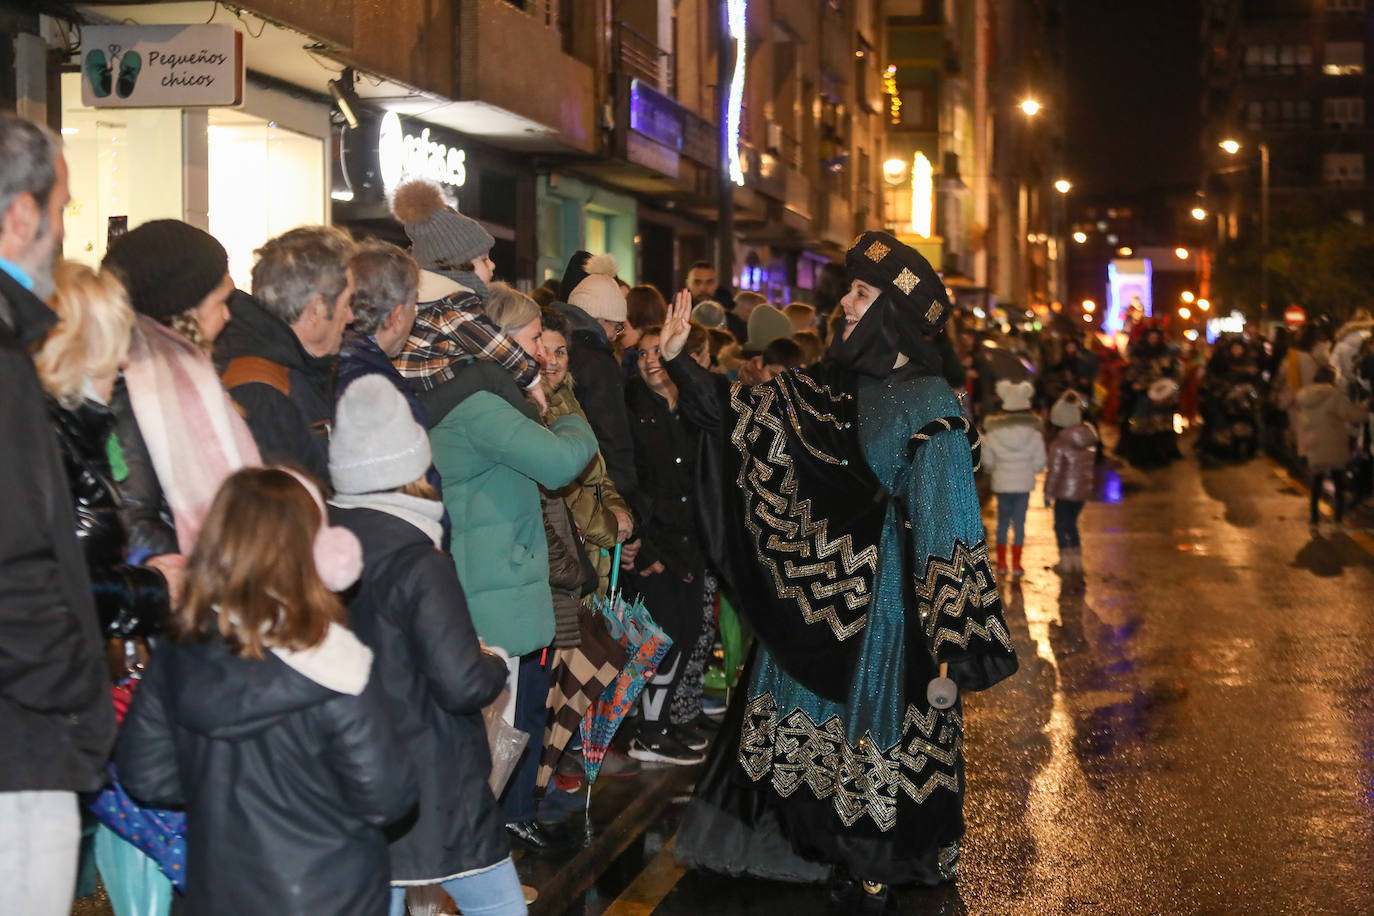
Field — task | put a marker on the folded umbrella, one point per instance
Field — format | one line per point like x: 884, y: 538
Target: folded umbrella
x: 645, y: 644
x: 577, y: 678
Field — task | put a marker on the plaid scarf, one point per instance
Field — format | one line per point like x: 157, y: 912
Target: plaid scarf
x: 455, y: 330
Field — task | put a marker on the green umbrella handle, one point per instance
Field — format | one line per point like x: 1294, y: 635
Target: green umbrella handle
x: 615, y: 571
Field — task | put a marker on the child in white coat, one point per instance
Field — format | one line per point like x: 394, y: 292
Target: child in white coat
x: 1014, y: 453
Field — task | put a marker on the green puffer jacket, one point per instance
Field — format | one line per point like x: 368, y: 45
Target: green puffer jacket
x: 493, y: 457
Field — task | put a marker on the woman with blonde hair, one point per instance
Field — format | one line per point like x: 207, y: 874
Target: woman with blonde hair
x: 262, y: 718
x: 78, y: 364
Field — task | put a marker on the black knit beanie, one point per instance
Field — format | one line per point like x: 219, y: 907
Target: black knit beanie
x: 167, y: 266
x: 573, y: 274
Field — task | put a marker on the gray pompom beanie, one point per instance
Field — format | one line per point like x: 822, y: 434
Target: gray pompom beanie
x: 441, y: 238
x: 376, y: 444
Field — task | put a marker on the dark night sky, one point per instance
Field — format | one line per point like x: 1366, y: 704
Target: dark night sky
x: 1134, y: 88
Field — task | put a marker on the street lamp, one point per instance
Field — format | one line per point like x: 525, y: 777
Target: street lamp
x: 1203, y: 304
x: 1125, y: 251
x: 894, y: 170
x: 1184, y: 312
x: 1199, y: 214
x: 1031, y: 107
x: 1187, y: 296
x: 1181, y: 253
x: 1232, y: 147
x: 1080, y: 237
x: 1062, y: 186
x: 1089, y: 306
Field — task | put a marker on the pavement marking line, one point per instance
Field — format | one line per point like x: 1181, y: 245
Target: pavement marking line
x: 1362, y: 540
x: 650, y: 886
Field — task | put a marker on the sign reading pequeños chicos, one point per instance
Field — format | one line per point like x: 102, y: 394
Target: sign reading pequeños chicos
x: 162, y: 66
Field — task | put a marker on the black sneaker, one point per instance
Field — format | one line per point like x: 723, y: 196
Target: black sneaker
x: 657, y: 746
x: 687, y: 734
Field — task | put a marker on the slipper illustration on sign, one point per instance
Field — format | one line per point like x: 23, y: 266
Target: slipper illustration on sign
x: 129, y: 66
x: 98, y: 72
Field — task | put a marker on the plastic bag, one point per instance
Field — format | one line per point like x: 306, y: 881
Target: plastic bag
x: 507, y: 743
x: 428, y: 900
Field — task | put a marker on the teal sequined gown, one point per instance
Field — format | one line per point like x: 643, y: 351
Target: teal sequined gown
x: 799, y: 783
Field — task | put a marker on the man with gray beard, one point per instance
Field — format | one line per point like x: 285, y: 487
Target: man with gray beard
x: 55, y: 707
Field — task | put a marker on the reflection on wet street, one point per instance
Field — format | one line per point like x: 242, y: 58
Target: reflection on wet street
x: 1191, y: 730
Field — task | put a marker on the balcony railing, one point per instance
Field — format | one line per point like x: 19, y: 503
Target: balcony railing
x: 640, y: 57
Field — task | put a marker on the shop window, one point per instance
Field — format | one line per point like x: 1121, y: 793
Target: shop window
x: 1344, y: 170
x: 1342, y: 113
x: 1344, y: 58
x: 286, y: 169
x: 598, y: 232
x: 119, y: 162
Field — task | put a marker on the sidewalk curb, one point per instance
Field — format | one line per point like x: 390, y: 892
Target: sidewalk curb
x: 573, y: 879
x: 1359, y: 538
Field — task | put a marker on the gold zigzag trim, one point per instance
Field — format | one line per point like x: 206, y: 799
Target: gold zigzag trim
x: 794, y: 752
x: 951, y: 590
x: 790, y: 526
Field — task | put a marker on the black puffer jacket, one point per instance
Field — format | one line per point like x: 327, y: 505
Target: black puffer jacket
x: 286, y: 782
x: 409, y: 608
x: 665, y: 459
x: 599, y: 386
x: 55, y: 711
x: 147, y: 516
x: 289, y: 415
x: 131, y: 600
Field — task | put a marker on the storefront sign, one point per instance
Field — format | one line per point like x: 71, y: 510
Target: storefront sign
x: 162, y: 66
x: 655, y: 116
x: 405, y: 155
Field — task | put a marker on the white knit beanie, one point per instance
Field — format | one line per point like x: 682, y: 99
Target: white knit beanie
x: 1067, y: 411
x: 599, y: 295
x: 1015, y: 395
x: 376, y: 444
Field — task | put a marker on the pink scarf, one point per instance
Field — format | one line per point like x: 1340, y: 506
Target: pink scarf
x: 195, y: 436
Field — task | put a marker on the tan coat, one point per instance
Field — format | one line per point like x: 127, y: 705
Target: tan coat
x: 592, y: 497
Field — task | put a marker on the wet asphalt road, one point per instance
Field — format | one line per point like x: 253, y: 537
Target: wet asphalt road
x: 1191, y: 731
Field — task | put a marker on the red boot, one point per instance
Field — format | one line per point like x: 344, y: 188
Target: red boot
x: 1016, y: 570
x: 1001, y: 559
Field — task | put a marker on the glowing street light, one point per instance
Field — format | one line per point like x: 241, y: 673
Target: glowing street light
x: 1031, y: 107
x: 1187, y: 296
x: 894, y: 170
x: 1199, y: 214
x: 1181, y: 253
x: 1089, y: 306
x: 1184, y: 312
x: 1125, y: 251
x: 1063, y: 185
x: 1231, y: 146
x: 1080, y: 237
x: 1203, y: 304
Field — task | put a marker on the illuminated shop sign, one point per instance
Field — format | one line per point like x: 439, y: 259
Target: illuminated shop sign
x: 161, y: 66
x: 404, y: 155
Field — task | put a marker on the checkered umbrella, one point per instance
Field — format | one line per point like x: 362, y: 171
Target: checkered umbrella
x: 577, y: 677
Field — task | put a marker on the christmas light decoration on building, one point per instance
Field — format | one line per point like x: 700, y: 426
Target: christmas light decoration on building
x: 894, y: 95
x: 737, y: 11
